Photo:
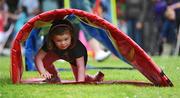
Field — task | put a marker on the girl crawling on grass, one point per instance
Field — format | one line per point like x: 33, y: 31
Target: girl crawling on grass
x: 62, y: 43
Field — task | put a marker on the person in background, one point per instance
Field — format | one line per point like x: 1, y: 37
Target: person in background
x: 100, y: 53
x: 21, y: 19
x: 173, y: 14
x: 135, y: 16
x: 34, y: 41
x: 121, y: 9
x: 47, y: 5
x: 152, y: 26
x: 3, y: 20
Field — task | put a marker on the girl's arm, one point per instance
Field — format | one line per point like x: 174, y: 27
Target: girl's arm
x: 39, y: 64
x: 80, y: 69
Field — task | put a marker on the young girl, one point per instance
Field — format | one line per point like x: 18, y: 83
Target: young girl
x: 62, y: 43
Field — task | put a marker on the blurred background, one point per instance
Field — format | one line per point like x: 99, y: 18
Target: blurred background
x: 152, y: 24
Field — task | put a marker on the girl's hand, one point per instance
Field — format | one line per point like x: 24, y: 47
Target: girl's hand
x: 46, y: 75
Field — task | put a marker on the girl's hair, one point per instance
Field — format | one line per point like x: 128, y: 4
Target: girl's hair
x: 60, y: 27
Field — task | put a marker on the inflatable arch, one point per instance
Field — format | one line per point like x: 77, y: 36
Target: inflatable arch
x: 124, y: 45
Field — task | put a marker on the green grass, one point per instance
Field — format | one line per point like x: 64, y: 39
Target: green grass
x: 170, y: 65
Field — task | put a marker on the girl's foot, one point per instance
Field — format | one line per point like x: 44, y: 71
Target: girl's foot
x: 95, y: 78
x: 99, y: 77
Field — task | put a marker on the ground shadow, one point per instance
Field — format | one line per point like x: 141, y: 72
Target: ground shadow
x: 66, y: 82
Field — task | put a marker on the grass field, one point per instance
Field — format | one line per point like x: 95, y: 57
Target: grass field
x: 170, y: 65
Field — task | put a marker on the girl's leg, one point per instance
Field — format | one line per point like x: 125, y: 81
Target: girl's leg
x: 48, y: 61
x: 88, y: 78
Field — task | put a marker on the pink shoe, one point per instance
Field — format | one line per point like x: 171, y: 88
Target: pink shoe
x: 99, y: 77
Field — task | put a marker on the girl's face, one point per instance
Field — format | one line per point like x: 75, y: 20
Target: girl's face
x: 62, y: 41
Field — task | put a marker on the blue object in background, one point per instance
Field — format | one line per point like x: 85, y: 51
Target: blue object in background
x: 32, y: 45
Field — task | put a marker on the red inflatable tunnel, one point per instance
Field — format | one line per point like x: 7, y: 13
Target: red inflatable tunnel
x: 127, y: 47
